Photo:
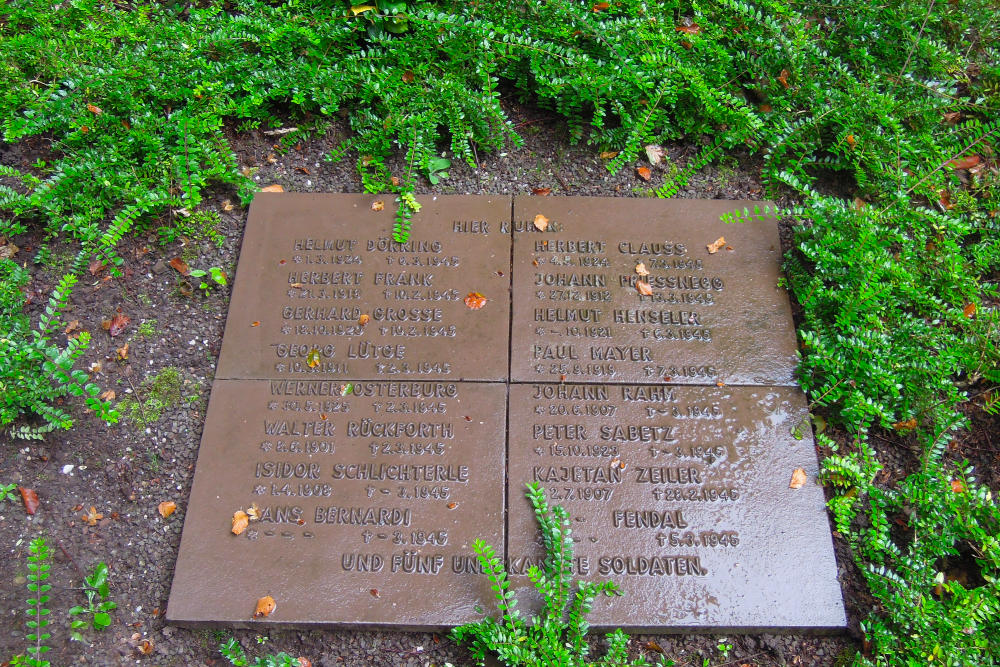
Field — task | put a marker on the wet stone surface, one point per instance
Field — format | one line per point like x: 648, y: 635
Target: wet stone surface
x: 378, y: 404
x: 681, y: 496
x: 709, y: 317
x: 368, y: 503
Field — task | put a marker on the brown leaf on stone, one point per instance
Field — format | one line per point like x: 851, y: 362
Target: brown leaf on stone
x: 452, y: 506
x: 29, y: 498
x: 373, y: 592
x: 641, y: 269
x: 253, y: 513
x: 272, y: 188
x: 364, y: 319
x: 644, y: 288
x: 378, y: 205
x: 94, y: 109
x: 475, y: 300
x: 180, y: 266
x: 969, y: 310
x: 714, y: 246
x: 541, y: 222
x: 967, y: 162
x: 109, y: 395
x: 240, y: 522
x: 122, y: 353
x: 265, y: 606
x: 798, y: 479
x: 644, y: 173
x: 541, y: 192
x: 255, y: 323
x: 118, y: 324
x: 166, y: 508
x: 313, y: 358
x: 92, y: 516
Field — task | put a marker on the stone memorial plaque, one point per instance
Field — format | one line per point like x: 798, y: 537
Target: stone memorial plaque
x: 368, y: 503
x: 312, y: 265
x: 681, y: 496
x: 578, y: 316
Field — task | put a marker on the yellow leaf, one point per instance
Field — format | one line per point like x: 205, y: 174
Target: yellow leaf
x: 607, y: 155
x: 378, y: 205
x: 714, y: 246
x: 641, y: 269
x: 798, y: 479
x: 312, y: 359
x: 541, y: 222
x: 253, y: 513
x: 644, y: 288
x: 240, y: 522
x: 364, y: 319
x: 475, y: 300
x: 272, y: 188
x: 358, y: 10
x: 166, y: 508
x: 265, y: 606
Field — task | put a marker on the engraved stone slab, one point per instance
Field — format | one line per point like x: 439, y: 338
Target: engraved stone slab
x: 578, y: 316
x: 313, y: 264
x: 681, y: 496
x: 368, y: 503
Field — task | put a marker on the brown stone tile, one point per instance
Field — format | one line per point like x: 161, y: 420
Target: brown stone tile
x: 369, y: 503
x: 313, y: 264
x: 681, y: 496
x: 578, y: 317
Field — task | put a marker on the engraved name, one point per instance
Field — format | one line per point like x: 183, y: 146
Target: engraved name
x: 567, y: 315
x: 675, y: 282
x: 648, y: 519
x: 363, y: 516
x: 654, y: 566
x: 581, y: 474
x: 367, y: 428
x: 586, y: 247
x: 633, y: 433
x: 630, y: 248
x: 402, y: 472
x: 676, y: 317
x: 571, y: 279
x: 572, y: 392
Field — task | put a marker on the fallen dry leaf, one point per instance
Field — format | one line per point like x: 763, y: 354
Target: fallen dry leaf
x: 95, y: 367
x: 122, y: 352
x: 965, y: 162
x: 304, y: 662
x: 253, y: 513
x: 542, y: 192
x: 601, y: 6
x: 96, y: 267
x: 94, y: 109
x: 272, y: 188
x: 452, y: 506
x: 271, y: 159
x: 644, y: 288
x: 7, y: 249
x: 907, y: 425
x: 475, y: 300
x: 227, y: 205
x: 652, y: 646
x: 29, y: 498
x: 654, y: 154
x: 109, y: 395
x: 641, y: 269
x: 783, y: 78
x: 969, y: 310
x: 166, y: 508
x: 378, y: 205
x: 798, y: 479
x: 395, y: 181
x: 180, y: 266
x: 364, y: 319
x: 313, y: 358
x: 644, y: 173
x: 92, y: 516
x: 715, y: 245
x: 957, y: 486
x: 255, y: 323
x: 373, y: 592
x: 765, y: 108
x: 692, y: 29
x: 265, y: 606
x: 608, y: 155
x: 944, y: 200
x: 240, y: 522
x: 408, y: 76
x: 145, y: 647
x: 541, y: 222
x: 851, y: 141
x: 117, y: 324
x: 71, y: 327
x: 952, y: 117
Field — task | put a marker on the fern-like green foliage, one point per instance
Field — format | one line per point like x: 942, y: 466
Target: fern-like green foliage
x: 39, y: 562
x: 557, y: 635
x: 234, y: 653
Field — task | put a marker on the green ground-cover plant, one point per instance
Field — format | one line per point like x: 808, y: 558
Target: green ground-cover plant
x: 234, y: 653
x: 556, y: 635
x: 39, y: 562
x: 97, y: 590
x: 895, y: 272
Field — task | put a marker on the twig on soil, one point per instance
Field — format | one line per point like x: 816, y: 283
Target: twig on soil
x: 71, y: 560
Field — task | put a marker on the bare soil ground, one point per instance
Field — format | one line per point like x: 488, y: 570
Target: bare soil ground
x: 124, y: 471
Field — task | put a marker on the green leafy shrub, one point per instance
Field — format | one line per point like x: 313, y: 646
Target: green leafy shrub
x: 557, y: 636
